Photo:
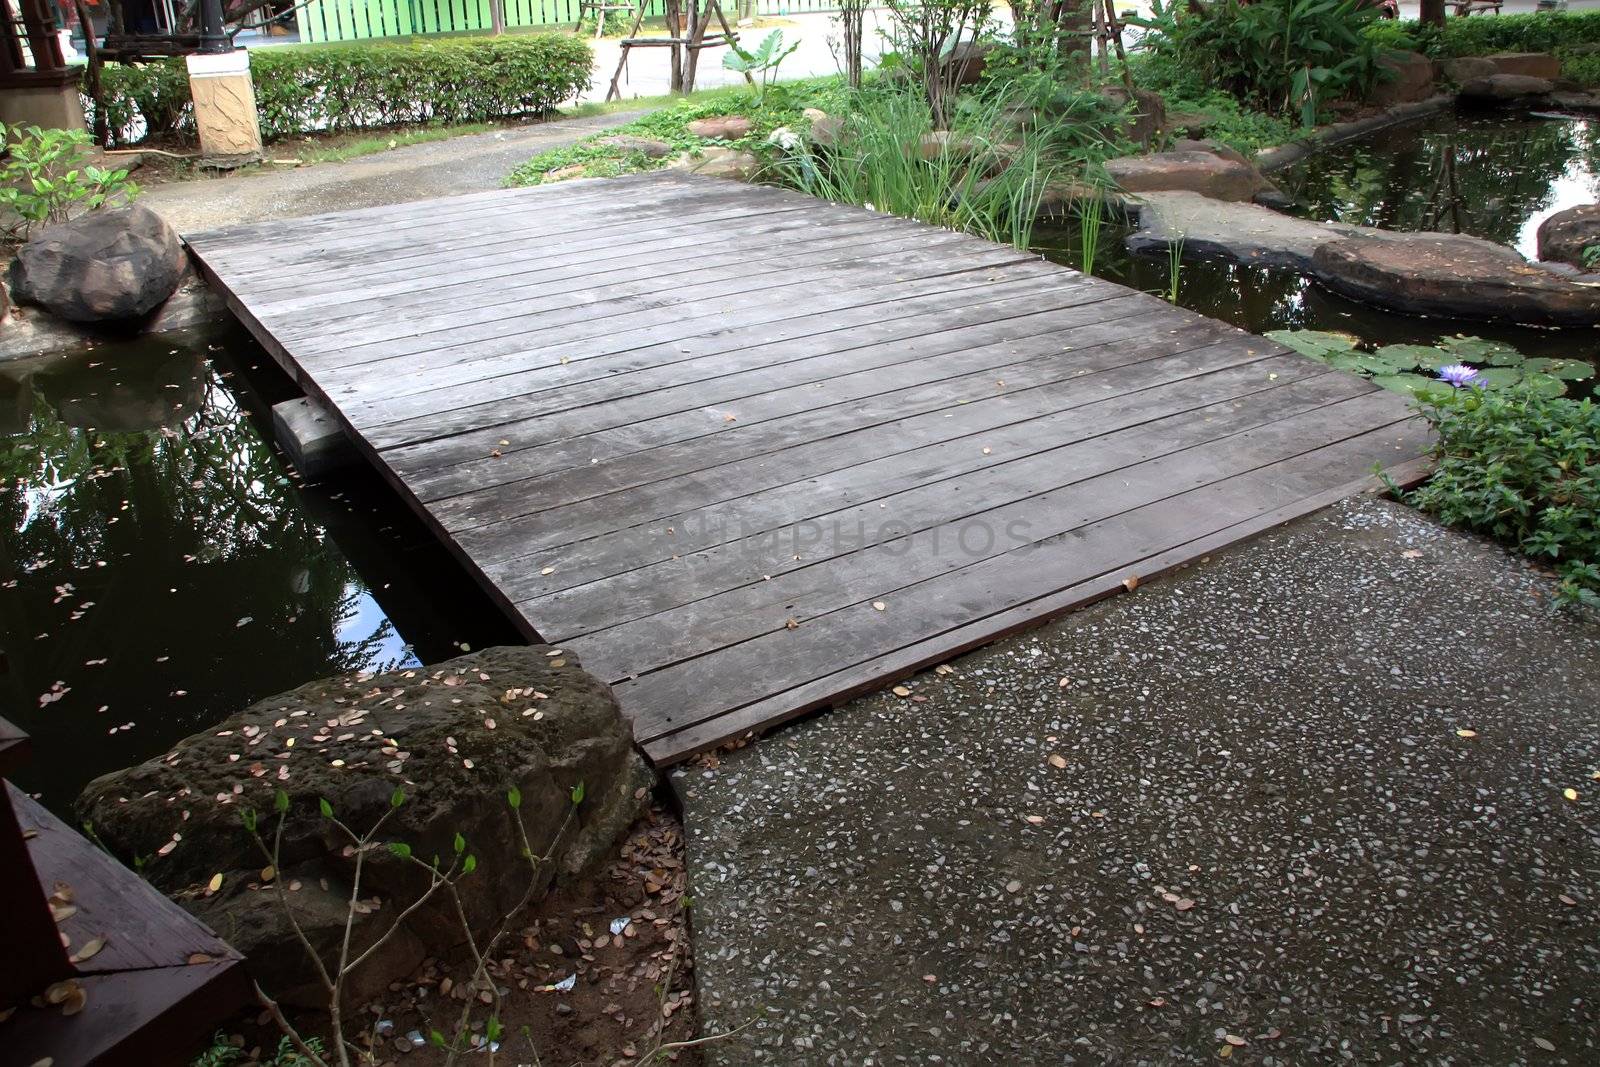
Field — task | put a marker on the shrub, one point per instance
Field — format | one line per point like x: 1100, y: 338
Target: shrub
x: 46, y: 176
x: 342, y: 87
x: 1534, y: 32
x: 1525, y: 469
x: 1284, y: 57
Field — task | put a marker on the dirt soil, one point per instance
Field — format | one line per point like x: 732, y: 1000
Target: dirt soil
x: 631, y: 997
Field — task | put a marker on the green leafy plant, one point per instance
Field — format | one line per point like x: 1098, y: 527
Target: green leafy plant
x: 891, y: 157
x: 46, y: 177
x: 1523, y: 468
x: 1090, y: 210
x: 762, y: 63
x: 1591, y: 256
x: 1286, y: 57
x: 442, y: 879
x: 1419, y: 370
x: 224, y: 1053
x: 366, y: 85
x: 1174, y: 269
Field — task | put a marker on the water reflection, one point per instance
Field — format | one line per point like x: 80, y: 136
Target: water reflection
x: 160, y: 569
x: 1486, y: 174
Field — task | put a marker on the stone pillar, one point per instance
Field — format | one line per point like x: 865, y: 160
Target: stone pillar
x: 50, y: 103
x: 225, y: 108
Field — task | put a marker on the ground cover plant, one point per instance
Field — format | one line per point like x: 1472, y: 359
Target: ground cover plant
x: 1522, y: 467
x: 1289, y: 58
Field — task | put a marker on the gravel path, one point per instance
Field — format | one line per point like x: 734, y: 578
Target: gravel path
x: 467, y: 164
x: 1232, y: 808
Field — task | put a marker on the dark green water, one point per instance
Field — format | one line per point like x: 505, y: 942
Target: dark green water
x: 160, y: 568
x: 1508, y: 174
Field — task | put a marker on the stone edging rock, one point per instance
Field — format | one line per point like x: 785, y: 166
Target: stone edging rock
x: 1280, y: 156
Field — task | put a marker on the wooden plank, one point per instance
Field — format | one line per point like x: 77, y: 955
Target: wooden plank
x: 1046, y: 453
x: 1108, y: 476
x: 835, y: 688
x: 482, y: 368
x: 571, y: 436
x: 679, y: 309
x: 527, y: 383
x: 636, y: 488
x: 580, y: 291
x: 583, y: 407
x: 669, y: 700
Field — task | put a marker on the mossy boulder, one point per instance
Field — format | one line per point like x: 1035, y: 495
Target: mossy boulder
x: 453, y: 738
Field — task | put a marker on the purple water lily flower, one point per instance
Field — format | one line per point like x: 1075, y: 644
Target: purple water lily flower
x: 1458, y: 375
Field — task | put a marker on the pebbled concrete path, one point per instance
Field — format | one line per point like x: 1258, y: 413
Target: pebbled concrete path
x: 1230, y: 814
x: 467, y: 164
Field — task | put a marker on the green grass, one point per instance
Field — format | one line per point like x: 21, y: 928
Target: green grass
x: 669, y: 124
x: 366, y: 146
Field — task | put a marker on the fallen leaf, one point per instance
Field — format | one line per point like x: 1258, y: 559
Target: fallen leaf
x: 1466, y: 733
x: 215, y: 883
x: 1570, y: 793
x: 1548, y: 1046
x: 901, y: 691
x: 1235, y: 1040
x: 1131, y: 582
x: 88, y: 949
x: 1058, y: 762
x: 268, y: 873
x: 879, y: 605
x: 199, y: 957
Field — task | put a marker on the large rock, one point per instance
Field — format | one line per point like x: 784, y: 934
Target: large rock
x: 645, y: 146
x: 1451, y: 276
x: 1405, y: 78
x: 1468, y: 68
x: 455, y: 737
x: 1146, y: 111
x: 721, y: 127
x: 965, y: 63
x: 106, y: 266
x: 1205, y: 173
x: 1502, y: 87
x: 730, y: 163
x: 1564, y: 235
x: 1528, y: 64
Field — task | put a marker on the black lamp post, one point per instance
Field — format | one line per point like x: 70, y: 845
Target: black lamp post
x: 213, y: 39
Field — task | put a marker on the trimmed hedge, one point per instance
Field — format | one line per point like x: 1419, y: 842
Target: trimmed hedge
x: 313, y: 88
x: 1481, y: 35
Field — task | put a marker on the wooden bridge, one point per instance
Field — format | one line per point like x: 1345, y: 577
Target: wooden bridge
x: 748, y: 453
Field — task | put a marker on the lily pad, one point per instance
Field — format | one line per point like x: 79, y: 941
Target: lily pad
x: 1481, y: 352
x: 1318, y: 344
x: 1572, y: 370
x: 1410, y: 384
x: 1499, y: 377
x: 1399, y: 358
x: 1544, y: 384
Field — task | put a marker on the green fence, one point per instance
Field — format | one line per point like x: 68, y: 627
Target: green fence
x: 355, y: 20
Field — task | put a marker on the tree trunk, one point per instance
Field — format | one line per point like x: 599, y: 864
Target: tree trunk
x: 1433, y: 12
x: 497, y: 16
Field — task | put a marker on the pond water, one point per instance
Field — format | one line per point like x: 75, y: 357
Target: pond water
x: 161, y: 567
x: 1507, y: 175
x: 1486, y: 174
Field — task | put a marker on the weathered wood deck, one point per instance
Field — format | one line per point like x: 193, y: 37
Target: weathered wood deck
x: 748, y: 453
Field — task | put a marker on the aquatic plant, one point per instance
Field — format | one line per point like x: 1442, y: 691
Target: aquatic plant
x: 1090, y: 210
x: 890, y: 154
x: 1429, y: 370
x: 1174, y: 268
x: 1458, y: 374
x: 764, y: 61
x: 1524, y: 468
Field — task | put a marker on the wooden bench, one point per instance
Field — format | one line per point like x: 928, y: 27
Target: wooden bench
x: 159, y: 986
